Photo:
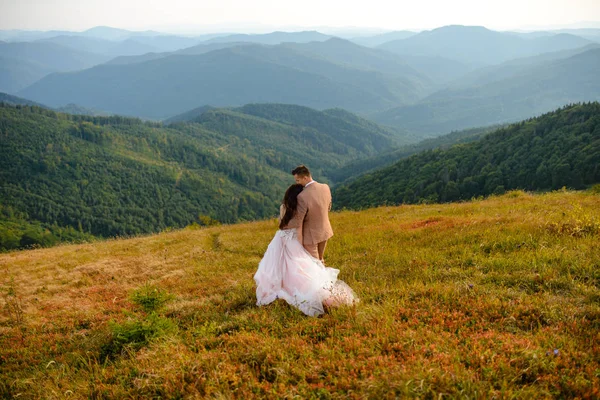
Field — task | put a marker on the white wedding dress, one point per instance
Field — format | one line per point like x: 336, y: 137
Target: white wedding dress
x: 287, y: 271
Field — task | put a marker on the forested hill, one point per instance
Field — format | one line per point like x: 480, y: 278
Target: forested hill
x: 561, y: 148
x: 288, y: 134
x: 63, y: 177
x: 14, y: 100
x: 360, y: 167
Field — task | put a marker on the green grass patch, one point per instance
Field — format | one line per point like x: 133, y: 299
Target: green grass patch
x: 150, y: 297
x: 135, y: 334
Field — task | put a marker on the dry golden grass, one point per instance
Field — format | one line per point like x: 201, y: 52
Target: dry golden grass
x: 492, y: 298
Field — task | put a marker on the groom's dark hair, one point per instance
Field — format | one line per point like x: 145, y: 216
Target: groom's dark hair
x: 301, y: 170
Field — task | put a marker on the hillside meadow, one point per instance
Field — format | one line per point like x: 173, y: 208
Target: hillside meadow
x: 492, y: 298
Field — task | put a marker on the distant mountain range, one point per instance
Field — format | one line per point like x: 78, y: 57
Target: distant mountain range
x: 26, y: 57
x: 188, y: 116
x: 22, y: 64
x: 169, y: 85
x: 516, y: 66
x: 478, y: 46
x: 272, y: 38
x: 73, y: 109
x: 421, y: 84
x: 18, y: 101
x: 377, y: 40
x: 518, y: 93
x: 98, y: 32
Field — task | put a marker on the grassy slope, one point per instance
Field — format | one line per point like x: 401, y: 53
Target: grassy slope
x: 467, y: 299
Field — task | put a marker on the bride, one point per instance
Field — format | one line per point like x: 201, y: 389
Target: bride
x: 287, y: 271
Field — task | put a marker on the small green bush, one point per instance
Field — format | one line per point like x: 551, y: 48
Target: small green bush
x: 135, y: 334
x: 150, y: 297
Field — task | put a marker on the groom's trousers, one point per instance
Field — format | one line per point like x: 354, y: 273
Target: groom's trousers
x: 316, y: 250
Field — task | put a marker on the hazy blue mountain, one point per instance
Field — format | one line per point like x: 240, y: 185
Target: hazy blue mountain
x: 17, y: 35
x: 510, y: 68
x: 478, y: 46
x: 110, y: 41
x: 16, y: 74
x: 376, y: 40
x: 127, y: 47
x: 228, y: 77
x: 132, y: 47
x: 116, y: 34
x: 438, y: 69
x: 82, y: 43
x: 380, y: 72
x: 204, y: 48
x: 124, y: 60
x: 99, y: 32
x: 532, y: 91
x: 166, y: 43
x: 51, y: 55
x: 531, y: 35
x: 590, y: 33
x: 345, y: 52
x: 558, y: 42
x: 352, y: 67
x: 22, y: 64
x: 171, y: 85
x: 194, y: 50
x: 273, y: 38
x: 316, y: 57
x: 18, y: 101
x: 75, y: 109
x: 188, y: 116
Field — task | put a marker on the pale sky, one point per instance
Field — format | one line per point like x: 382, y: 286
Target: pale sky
x: 266, y: 15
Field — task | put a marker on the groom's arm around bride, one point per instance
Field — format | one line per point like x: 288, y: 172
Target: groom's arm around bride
x: 312, y: 215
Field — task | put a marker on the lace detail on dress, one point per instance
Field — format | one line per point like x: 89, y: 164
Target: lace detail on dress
x: 288, y: 234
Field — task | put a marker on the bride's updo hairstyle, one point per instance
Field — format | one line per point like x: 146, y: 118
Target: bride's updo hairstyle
x: 290, y: 202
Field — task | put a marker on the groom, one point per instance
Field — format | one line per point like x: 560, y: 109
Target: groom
x: 312, y: 214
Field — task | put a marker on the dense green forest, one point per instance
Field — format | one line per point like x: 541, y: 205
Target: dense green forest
x: 356, y: 168
x: 74, y: 177
x: 66, y: 177
x: 561, y: 148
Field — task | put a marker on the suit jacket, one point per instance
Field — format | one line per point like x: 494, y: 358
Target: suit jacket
x: 312, y: 214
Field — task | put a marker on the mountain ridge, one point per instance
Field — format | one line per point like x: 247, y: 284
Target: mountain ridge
x: 279, y: 77
x: 535, y: 90
x: 560, y: 148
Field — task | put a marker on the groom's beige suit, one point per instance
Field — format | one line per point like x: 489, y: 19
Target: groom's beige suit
x: 312, y: 218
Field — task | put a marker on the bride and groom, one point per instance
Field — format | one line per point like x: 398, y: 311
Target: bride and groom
x: 292, y: 268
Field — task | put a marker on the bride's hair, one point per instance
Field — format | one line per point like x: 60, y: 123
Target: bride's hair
x: 290, y: 202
